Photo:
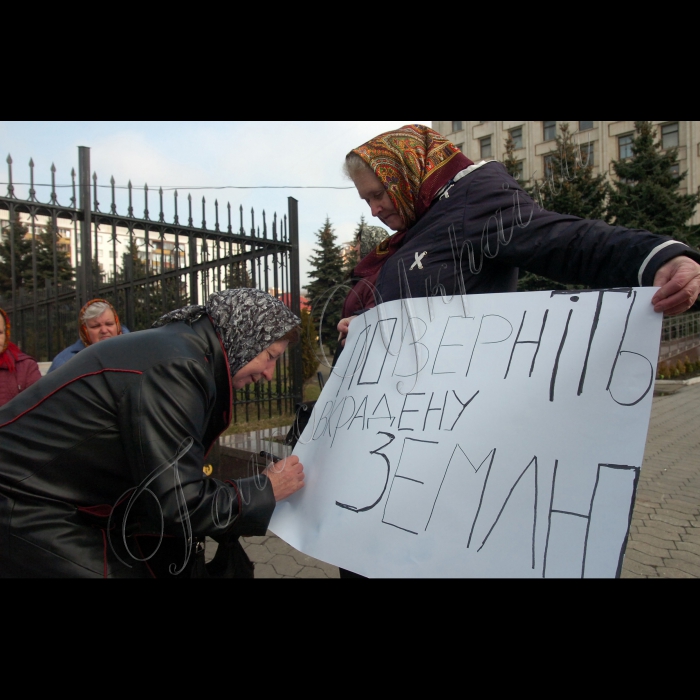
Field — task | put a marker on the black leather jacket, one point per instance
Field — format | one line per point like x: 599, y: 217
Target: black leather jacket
x: 139, y: 410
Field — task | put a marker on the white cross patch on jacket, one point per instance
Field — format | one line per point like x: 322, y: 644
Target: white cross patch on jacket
x: 418, y: 260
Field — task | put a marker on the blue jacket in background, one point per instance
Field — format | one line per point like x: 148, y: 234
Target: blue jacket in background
x: 71, y: 351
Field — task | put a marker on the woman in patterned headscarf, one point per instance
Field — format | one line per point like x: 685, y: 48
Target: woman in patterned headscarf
x: 466, y: 228
x: 249, y: 322
x: 17, y: 370
x: 399, y: 174
x: 101, y: 462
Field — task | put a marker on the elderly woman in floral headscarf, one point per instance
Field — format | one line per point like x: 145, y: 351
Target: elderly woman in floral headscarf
x: 97, y: 321
x: 17, y: 370
x: 101, y: 462
x: 466, y: 228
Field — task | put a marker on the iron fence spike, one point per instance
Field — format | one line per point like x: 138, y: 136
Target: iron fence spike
x: 32, y: 191
x: 10, y: 186
x: 113, y: 208
x: 54, y: 198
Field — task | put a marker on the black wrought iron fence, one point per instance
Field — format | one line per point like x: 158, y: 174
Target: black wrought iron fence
x: 55, y: 257
x: 679, y: 334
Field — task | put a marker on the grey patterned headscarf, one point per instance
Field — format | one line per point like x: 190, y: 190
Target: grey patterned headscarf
x: 247, y: 321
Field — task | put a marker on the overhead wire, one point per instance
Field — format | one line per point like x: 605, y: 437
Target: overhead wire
x: 167, y: 188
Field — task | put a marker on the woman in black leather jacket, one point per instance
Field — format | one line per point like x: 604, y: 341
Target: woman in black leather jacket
x: 101, y: 461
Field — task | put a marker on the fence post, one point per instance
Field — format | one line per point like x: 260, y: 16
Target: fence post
x: 194, y: 281
x: 295, y: 293
x: 86, y: 282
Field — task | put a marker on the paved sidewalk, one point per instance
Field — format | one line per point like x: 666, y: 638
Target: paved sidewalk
x: 664, y: 539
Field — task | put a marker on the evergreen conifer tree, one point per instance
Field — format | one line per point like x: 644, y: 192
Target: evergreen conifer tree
x: 238, y: 277
x: 372, y: 236
x: 309, y: 358
x: 163, y: 296
x: 647, y: 194
x: 15, y: 233
x: 352, y: 256
x: 570, y: 186
x: 326, y: 273
x: 511, y: 163
x: 44, y: 259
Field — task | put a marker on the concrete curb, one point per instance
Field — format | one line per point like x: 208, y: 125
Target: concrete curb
x: 661, y: 384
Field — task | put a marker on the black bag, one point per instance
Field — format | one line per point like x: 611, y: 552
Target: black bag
x: 303, y: 413
x: 230, y: 561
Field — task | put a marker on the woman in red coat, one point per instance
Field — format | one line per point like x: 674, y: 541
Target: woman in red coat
x: 17, y: 369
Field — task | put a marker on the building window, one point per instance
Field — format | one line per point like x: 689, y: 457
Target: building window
x: 460, y: 146
x: 548, y: 166
x: 456, y: 126
x: 669, y: 135
x: 587, y: 154
x: 485, y: 147
x: 550, y: 130
x: 625, y: 146
x: 520, y: 171
x: 517, y: 136
x: 676, y: 170
x: 585, y: 126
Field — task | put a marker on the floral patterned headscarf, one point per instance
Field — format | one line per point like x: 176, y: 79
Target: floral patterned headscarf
x: 83, y: 327
x: 247, y: 320
x: 413, y: 163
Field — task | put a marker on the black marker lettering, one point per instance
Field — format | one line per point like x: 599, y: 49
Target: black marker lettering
x: 556, y: 362
x: 386, y: 481
x: 430, y: 403
x: 527, y: 342
x: 464, y: 405
x: 362, y: 407
x: 388, y: 417
x: 405, y: 410
x: 448, y: 345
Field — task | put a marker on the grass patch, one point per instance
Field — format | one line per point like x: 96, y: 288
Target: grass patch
x: 312, y: 390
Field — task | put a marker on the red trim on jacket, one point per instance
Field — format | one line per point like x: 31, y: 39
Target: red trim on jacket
x: 48, y: 396
x: 227, y: 414
x: 238, y: 495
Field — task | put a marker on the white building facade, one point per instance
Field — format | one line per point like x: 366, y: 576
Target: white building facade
x: 601, y: 141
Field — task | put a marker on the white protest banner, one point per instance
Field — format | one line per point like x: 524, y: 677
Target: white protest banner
x: 492, y: 435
